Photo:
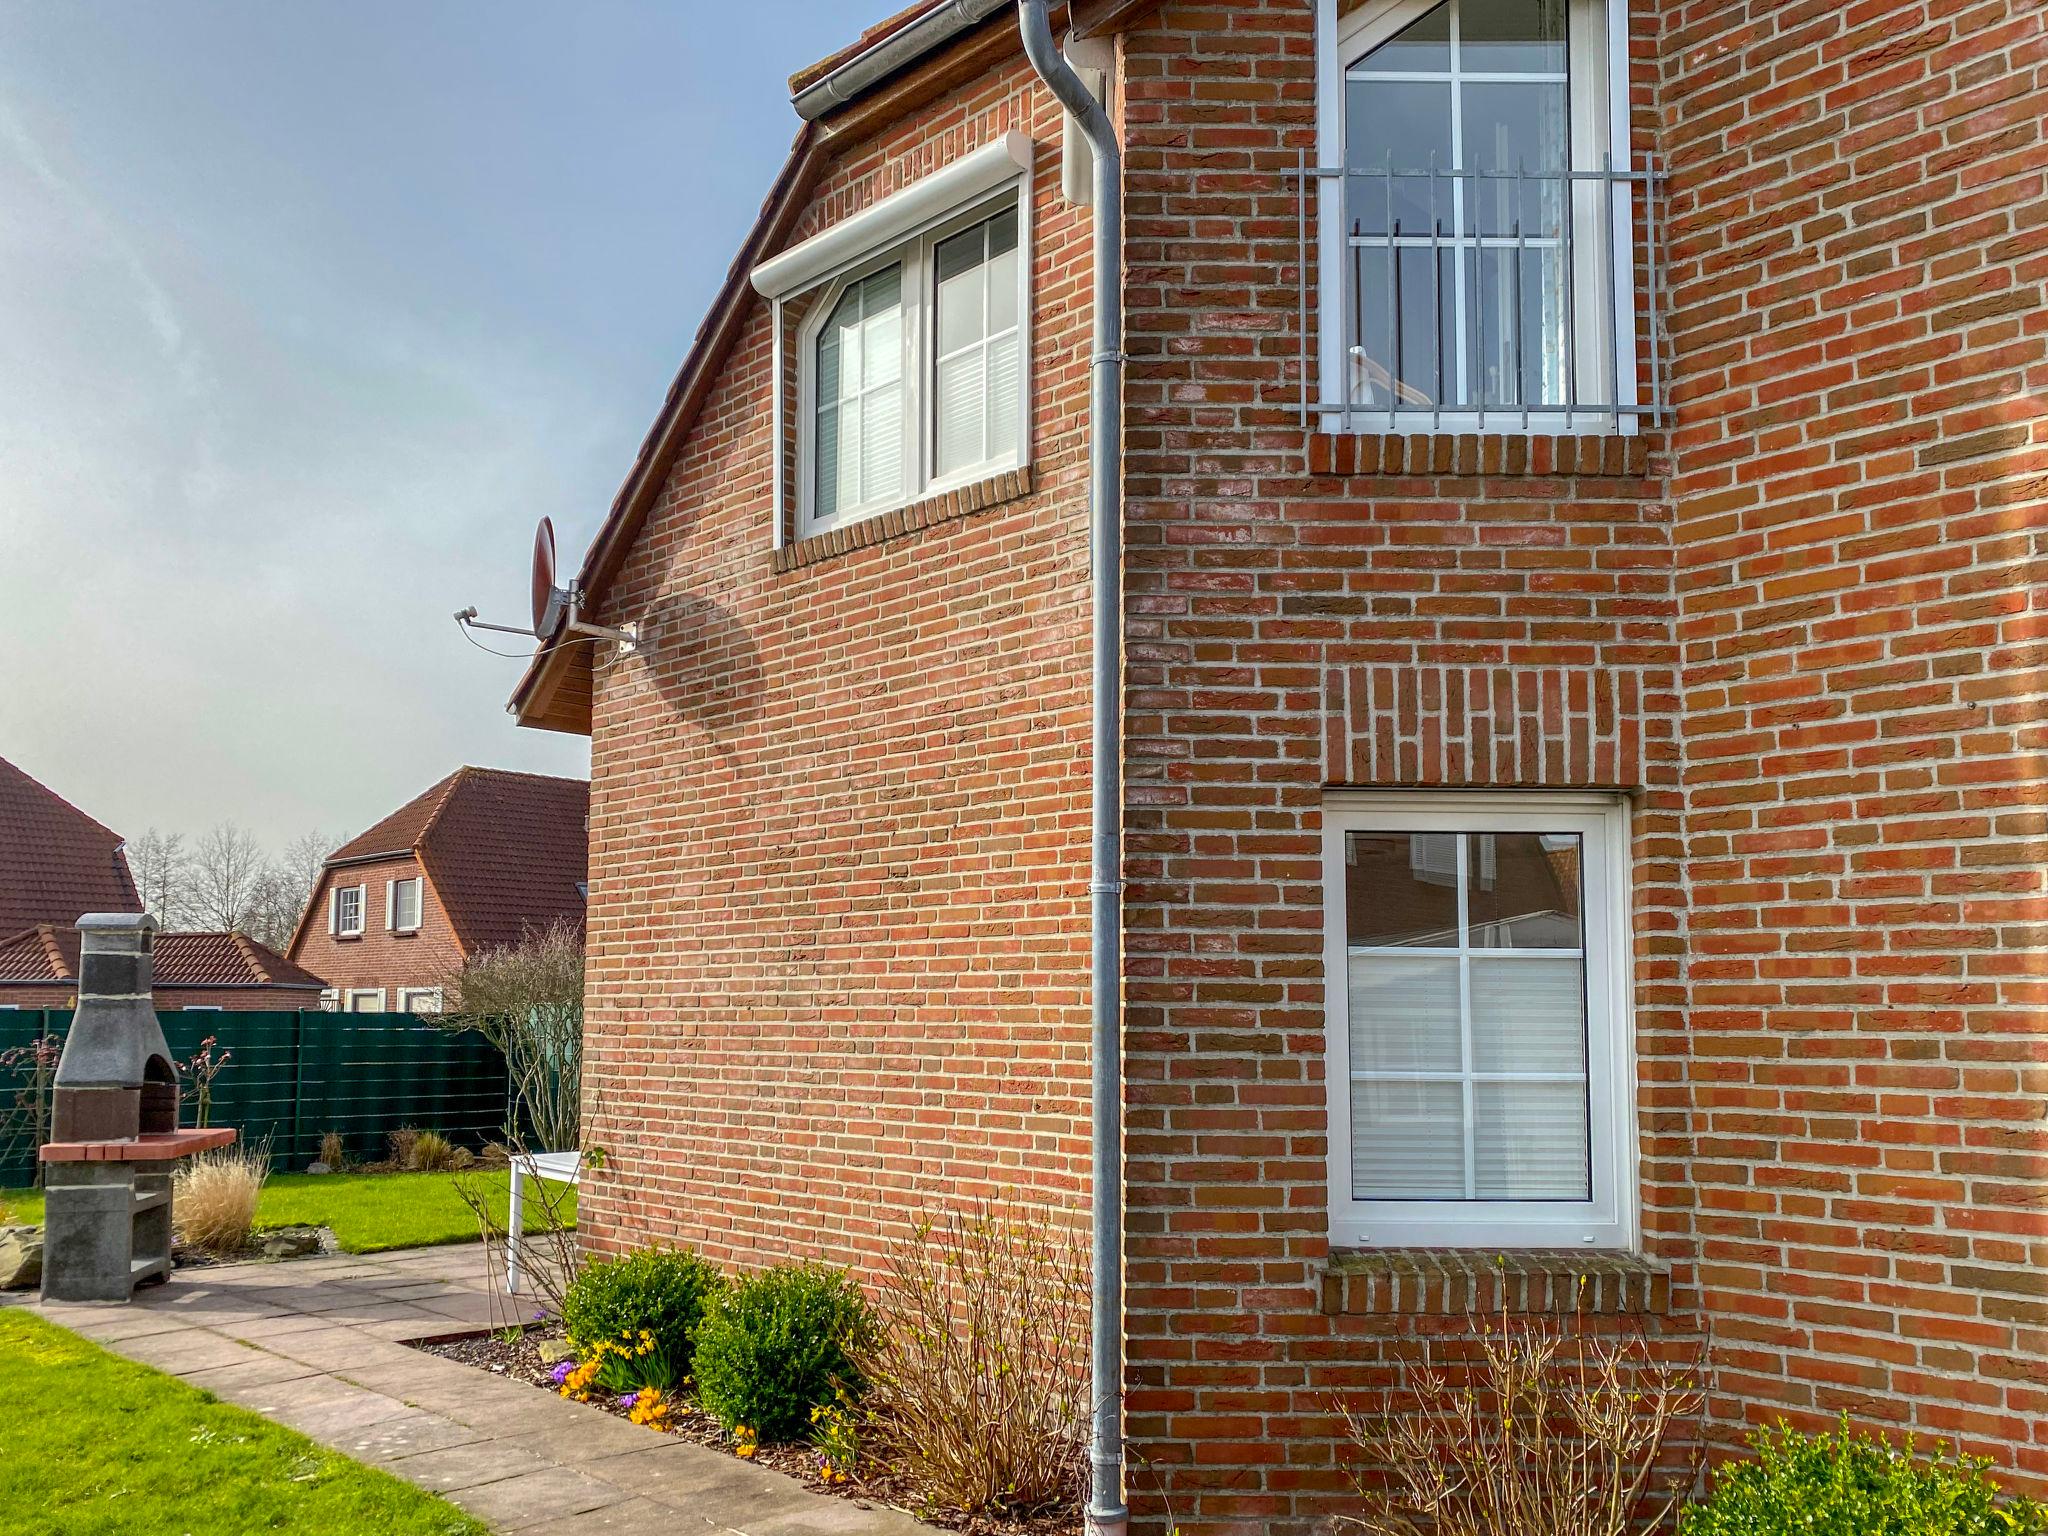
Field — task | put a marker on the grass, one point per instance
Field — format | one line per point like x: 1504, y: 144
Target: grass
x: 100, y: 1446
x: 368, y: 1212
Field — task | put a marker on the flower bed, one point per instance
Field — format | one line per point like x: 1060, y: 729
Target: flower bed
x: 521, y: 1359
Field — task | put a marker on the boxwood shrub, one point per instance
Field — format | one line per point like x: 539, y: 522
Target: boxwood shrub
x: 1842, y: 1484
x: 666, y: 1291
x: 779, y: 1345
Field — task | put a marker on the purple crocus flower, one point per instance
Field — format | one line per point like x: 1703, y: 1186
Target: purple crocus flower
x: 561, y: 1371
x: 627, y: 1400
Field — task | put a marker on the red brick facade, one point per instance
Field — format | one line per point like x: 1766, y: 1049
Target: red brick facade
x: 838, y: 845
x: 381, y: 960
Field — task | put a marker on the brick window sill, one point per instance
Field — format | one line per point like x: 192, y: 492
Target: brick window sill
x: 1615, y: 456
x: 954, y: 504
x: 1426, y: 1282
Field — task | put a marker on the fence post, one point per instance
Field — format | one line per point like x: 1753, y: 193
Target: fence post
x: 298, y: 1081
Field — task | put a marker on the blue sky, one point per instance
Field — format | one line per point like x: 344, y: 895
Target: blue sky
x: 308, y: 312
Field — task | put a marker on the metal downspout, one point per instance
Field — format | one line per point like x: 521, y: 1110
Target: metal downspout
x: 1107, y: 1513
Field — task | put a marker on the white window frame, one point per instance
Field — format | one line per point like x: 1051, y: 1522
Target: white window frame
x: 1607, y: 1222
x: 409, y: 999
x: 1598, y: 57
x: 362, y: 918
x: 357, y: 994
x: 330, y: 999
x: 917, y: 256
x: 419, y: 912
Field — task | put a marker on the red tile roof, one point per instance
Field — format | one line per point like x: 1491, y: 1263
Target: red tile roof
x: 48, y: 955
x: 56, y: 862
x: 506, y: 852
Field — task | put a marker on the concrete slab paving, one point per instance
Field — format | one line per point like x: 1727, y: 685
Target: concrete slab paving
x: 322, y: 1345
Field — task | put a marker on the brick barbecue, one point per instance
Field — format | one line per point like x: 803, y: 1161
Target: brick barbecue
x: 114, y: 1125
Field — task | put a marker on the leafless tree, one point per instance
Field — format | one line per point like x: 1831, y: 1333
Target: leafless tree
x: 284, y: 888
x: 527, y: 1000
x: 227, y: 875
x: 162, y: 866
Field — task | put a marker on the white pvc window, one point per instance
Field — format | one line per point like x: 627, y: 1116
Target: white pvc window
x: 1478, y: 235
x: 913, y: 371
x: 419, y: 1000
x: 404, y: 898
x: 348, y: 914
x: 1480, y: 1045
x: 366, y: 1000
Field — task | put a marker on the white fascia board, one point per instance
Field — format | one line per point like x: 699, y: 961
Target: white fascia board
x: 896, y: 216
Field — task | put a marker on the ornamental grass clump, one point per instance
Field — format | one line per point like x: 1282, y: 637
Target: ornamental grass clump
x: 1555, y: 1431
x: 653, y: 1303
x: 1842, y: 1484
x: 977, y: 1384
x: 213, y: 1199
x: 779, y: 1345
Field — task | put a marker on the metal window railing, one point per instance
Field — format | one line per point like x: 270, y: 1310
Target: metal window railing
x: 1481, y: 300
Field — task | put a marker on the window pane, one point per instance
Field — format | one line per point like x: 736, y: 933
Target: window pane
x: 1407, y: 1141
x: 1005, y: 405
x: 960, y: 411
x: 1397, y: 125
x: 1528, y: 1015
x: 1424, y: 44
x: 1529, y: 1142
x: 1002, y: 282
x: 882, y: 344
x: 881, y: 443
x: 1512, y: 36
x: 1518, y: 132
x: 1403, y: 351
x: 1524, y: 891
x: 828, y: 460
x: 1404, y: 1014
x: 961, y: 295
x: 1401, y: 888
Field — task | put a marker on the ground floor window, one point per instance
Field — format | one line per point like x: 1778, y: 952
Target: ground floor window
x: 1481, y: 1058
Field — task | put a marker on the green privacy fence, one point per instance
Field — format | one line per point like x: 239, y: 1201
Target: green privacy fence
x: 292, y: 1077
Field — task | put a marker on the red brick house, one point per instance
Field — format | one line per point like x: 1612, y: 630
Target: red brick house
x: 1582, y: 694
x: 477, y: 862
x: 211, y: 971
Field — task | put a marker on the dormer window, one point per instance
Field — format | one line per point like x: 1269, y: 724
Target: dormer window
x: 907, y: 326
x: 346, y: 911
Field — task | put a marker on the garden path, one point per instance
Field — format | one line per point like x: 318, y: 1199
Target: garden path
x: 321, y: 1345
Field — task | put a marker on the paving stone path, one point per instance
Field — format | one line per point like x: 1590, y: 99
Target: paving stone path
x: 319, y: 1344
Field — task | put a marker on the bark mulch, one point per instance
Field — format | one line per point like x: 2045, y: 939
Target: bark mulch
x: 519, y: 1359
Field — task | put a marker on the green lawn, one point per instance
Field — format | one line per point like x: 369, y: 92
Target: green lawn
x: 100, y: 1446
x: 369, y: 1212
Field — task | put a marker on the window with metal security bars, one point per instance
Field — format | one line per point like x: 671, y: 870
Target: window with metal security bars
x: 1480, y: 1057
x: 1484, y: 231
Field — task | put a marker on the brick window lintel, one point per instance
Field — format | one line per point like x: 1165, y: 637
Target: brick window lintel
x: 1612, y: 455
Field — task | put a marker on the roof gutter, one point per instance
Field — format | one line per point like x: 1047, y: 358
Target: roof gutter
x: 1108, y: 1515
x: 866, y: 69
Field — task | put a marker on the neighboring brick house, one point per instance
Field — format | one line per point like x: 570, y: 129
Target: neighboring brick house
x: 56, y: 862
x: 213, y: 971
x: 478, y: 862
x: 1584, y: 683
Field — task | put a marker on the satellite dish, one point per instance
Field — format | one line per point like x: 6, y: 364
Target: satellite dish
x: 550, y: 602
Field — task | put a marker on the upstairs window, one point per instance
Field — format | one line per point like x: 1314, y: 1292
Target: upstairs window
x: 1484, y: 204
x: 914, y: 373
x: 345, y: 914
x: 402, y: 905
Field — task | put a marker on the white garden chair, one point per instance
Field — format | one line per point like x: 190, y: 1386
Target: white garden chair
x: 560, y: 1168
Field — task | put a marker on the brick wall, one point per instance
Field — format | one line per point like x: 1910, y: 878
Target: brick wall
x: 1859, y: 239
x: 1308, y: 613
x: 380, y: 958
x: 838, y: 843
x: 171, y: 999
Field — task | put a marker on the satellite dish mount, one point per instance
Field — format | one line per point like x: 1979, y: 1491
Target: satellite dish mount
x: 556, y: 608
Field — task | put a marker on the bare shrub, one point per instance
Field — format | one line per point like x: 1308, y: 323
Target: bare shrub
x: 213, y: 1199
x: 527, y: 1000
x: 402, y: 1141
x: 548, y: 1256
x: 977, y: 1384
x: 1559, y: 1432
x: 333, y: 1150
